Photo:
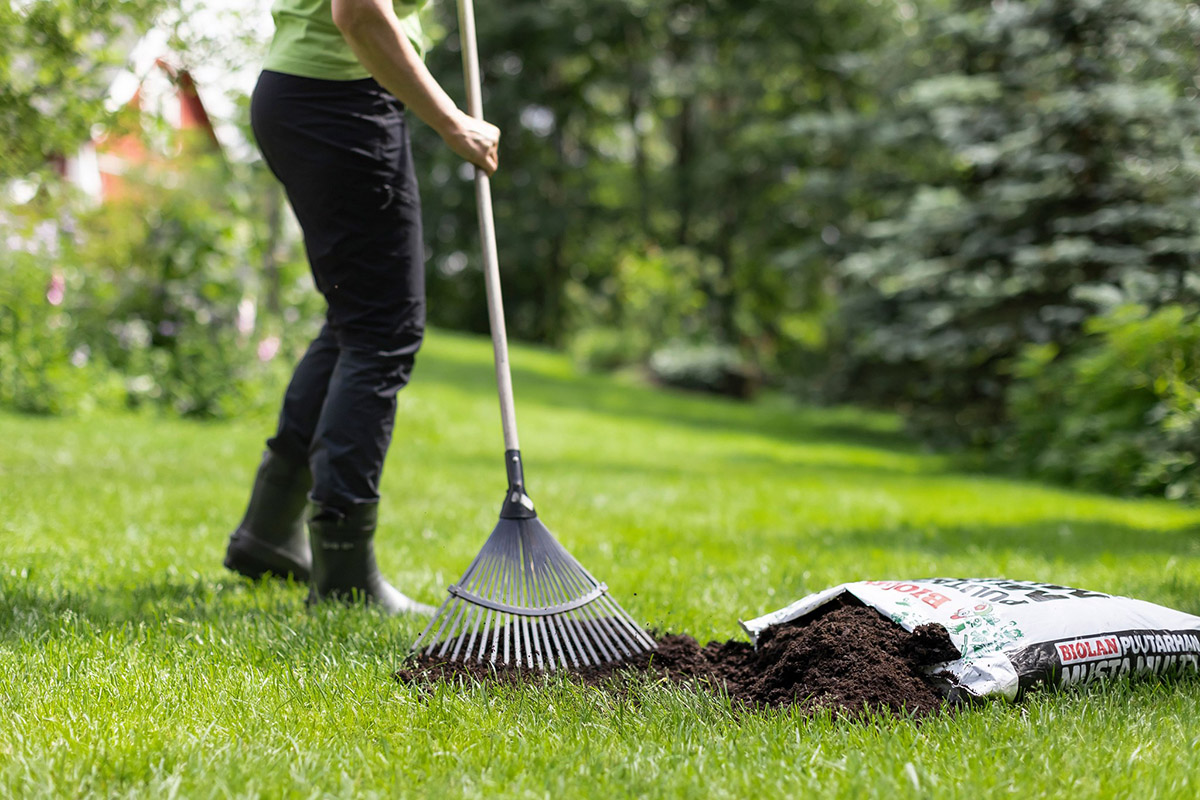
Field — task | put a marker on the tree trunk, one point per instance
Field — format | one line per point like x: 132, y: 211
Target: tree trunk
x: 683, y: 171
x: 634, y: 107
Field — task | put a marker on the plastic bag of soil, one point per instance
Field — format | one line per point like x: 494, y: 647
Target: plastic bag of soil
x: 1016, y: 634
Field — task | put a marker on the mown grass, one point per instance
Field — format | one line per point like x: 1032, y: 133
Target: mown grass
x: 131, y: 664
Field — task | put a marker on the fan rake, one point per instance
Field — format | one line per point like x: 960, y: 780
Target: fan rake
x: 524, y: 601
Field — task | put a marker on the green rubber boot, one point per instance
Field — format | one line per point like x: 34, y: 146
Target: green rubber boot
x: 271, y: 539
x: 343, y: 563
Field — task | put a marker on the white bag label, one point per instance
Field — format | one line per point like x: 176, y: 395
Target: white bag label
x: 1016, y: 634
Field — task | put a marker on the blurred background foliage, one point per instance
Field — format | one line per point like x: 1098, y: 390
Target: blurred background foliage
x: 981, y: 214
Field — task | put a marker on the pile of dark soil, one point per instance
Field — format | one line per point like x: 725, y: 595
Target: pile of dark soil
x: 850, y: 659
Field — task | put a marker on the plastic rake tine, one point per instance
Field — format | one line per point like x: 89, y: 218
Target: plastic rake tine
x: 553, y: 624
x: 487, y: 579
x: 492, y: 578
x: 597, y: 624
x: 471, y: 622
x: 552, y: 594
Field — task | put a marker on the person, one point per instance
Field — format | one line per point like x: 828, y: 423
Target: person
x: 328, y: 116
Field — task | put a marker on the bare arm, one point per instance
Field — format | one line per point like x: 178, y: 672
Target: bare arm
x: 373, y: 32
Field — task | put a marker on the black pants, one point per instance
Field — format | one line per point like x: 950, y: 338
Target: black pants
x: 341, y: 151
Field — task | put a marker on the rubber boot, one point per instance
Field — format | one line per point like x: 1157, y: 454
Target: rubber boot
x: 343, y: 564
x: 271, y: 539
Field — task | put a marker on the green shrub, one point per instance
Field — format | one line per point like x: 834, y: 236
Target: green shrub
x: 46, y: 362
x: 652, y: 296
x: 705, y: 367
x: 1121, y: 412
x: 149, y: 300
x: 171, y: 269
x: 657, y: 310
x: 604, y: 348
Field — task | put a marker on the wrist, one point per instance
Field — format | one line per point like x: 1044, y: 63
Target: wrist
x: 448, y: 122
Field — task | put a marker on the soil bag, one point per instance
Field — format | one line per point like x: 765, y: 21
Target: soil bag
x: 1013, y: 635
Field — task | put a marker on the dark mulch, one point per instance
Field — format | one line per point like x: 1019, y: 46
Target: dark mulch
x: 849, y: 659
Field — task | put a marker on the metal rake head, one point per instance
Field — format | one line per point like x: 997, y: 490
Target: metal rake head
x: 525, y: 601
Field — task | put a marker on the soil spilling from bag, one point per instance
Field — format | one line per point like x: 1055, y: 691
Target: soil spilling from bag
x: 848, y: 658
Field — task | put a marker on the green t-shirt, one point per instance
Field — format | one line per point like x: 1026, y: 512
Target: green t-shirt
x: 308, y: 44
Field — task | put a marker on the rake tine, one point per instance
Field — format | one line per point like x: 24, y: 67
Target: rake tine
x: 554, y: 627
x: 493, y: 578
x: 453, y: 621
x: 533, y: 648
x: 550, y: 626
x: 471, y: 613
x: 617, y: 626
x: 541, y: 639
x: 640, y: 638
x: 574, y: 635
x: 587, y: 653
x: 646, y: 639
x: 598, y: 633
x: 602, y: 640
x: 491, y: 584
x: 468, y: 617
x: 450, y: 606
x: 604, y: 627
x: 534, y: 625
x: 585, y: 633
x: 519, y: 596
x: 475, y: 615
x: 608, y: 625
x: 417, y: 644
x: 502, y: 624
x: 513, y: 623
x: 612, y: 622
x: 439, y: 615
x: 566, y: 635
x: 582, y: 620
x: 585, y: 636
x: 526, y: 639
x: 556, y: 593
x: 487, y: 626
x: 545, y: 653
x: 552, y: 623
x: 545, y: 624
x: 481, y: 654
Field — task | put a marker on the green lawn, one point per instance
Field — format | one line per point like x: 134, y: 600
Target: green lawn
x: 132, y: 664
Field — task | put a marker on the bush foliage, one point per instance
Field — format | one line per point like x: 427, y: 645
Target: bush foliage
x: 1065, y: 183
x: 1121, y: 412
x: 45, y: 364
x: 149, y: 300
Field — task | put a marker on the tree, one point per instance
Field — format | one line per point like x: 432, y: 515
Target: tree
x: 1066, y: 184
x: 55, y: 68
x: 644, y: 128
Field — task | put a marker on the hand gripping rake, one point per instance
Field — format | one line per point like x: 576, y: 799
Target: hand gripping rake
x: 524, y: 600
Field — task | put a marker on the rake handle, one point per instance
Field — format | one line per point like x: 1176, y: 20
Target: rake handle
x: 487, y: 233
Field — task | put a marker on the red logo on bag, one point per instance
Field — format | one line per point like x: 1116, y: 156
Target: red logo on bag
x: 978, y: 610
x: 1092, y: 649
x: 913, y: 590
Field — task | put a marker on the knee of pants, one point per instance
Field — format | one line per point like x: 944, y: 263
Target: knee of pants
x: 386, y: 341
x: 383, y: 366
